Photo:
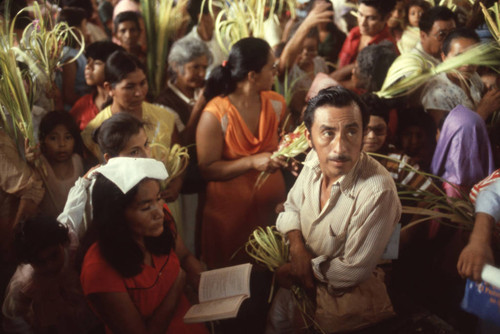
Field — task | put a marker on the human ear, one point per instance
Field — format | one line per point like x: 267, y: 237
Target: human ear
x: 109, y: 88
x: 309, y: 138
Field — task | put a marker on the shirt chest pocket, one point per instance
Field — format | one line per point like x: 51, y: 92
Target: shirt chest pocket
x: 338, y: 230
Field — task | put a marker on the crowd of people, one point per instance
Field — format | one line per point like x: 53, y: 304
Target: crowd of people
x: 93, y: 241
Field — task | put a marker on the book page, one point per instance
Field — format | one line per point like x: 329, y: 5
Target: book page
x: 225, y: 282
x: 214, y: 310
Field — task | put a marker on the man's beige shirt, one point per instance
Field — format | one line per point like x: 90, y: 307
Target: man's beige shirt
x: 353, y: 228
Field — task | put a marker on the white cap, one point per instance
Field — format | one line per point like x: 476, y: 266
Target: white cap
x: 127, y: 172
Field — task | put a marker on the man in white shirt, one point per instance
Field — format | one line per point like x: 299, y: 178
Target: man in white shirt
x: 343, y: 207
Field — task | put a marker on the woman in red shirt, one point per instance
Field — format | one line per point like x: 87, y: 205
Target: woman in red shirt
x: 131, y: 276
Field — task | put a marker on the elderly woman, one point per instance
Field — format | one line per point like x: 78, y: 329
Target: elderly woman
x: 188, y: 61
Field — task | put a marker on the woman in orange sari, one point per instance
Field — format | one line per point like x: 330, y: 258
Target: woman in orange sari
x: 236, y: 135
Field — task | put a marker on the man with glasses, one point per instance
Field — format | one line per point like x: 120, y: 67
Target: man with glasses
x: 434, y: 26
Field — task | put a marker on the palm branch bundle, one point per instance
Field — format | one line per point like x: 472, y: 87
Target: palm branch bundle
x: 16, y: 102
x: 175, y: 159
x: 239, y: 19
x: 410, y: 71
x: 433, y: 203
x: 41, y: 45
x: 162, y: 20
x: 291, y: 145
x: 269, y: 248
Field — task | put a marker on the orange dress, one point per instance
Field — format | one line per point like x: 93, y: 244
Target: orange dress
x: 232, y: 209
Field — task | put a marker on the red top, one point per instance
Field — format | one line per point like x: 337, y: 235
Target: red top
x: 349, y: 50
x: 84, y: 110
x: 146, y: 290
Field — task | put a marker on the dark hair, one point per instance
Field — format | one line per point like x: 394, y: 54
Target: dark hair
x: 416, y: 116
x: 376, y: 106
x: 120, y: 64
x: 55, y: 118
x: 33, y: 235
x: 73, y: 16
x: 248, y: 54
x: 383, y: 7
x: 335, y: 96
x: 438, y: 13
x: 86, y: 5
x: 459, y: 33
x: 114, y: 133
x: 114, y: 235
x: 418, y: 3
x: 194, y: 9
x: 127, y: 16
x: 101, y: 50
x: 373, y: 63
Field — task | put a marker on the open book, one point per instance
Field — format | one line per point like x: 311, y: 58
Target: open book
x: 221, y: 293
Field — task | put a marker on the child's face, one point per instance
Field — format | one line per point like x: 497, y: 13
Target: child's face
x: 58, y: 145
x: 49, y: 261
x: 309, y: 52
x: 414, y: 15
x: 128, y: 34
x: 94, y: 72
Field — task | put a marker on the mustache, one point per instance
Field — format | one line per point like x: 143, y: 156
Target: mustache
x: 339, y: 158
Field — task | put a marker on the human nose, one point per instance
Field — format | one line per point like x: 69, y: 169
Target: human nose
x: 338, y: 144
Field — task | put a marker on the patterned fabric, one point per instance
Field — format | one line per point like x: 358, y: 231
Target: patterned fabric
x: 442, y: 94
x: 403, y: 176
x: 493, y: 177
x: 353, y: 228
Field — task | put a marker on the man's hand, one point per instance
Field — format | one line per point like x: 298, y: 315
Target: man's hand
x: 473, y: 258
x: 489, y: 103
x: 301, y: 267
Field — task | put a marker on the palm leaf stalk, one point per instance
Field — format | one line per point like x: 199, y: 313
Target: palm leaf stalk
x: 269, y: 248
x: 291, y: 145
x: 238, y: 19
x: 16, y: 100
x: 175, y: 159
x: 41, y: 45
x: 162, y: 20
x: 408, y: 74
x: 492, y: 22
x: 433, y: 203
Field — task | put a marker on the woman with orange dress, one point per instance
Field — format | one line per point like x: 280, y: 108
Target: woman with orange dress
x: 236, y: 136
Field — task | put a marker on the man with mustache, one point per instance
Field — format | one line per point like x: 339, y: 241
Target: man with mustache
x: 340, y: 213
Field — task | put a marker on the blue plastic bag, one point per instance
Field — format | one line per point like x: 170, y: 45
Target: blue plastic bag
x: 483, y: 300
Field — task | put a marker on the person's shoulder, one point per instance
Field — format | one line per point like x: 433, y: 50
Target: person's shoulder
x: 372, y: 174
x: 272, y: 95
x: 100, y: 117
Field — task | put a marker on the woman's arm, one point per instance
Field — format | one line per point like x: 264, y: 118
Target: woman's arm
x: 209, y: 143
x: 191, y: 265
x: 119, y: 313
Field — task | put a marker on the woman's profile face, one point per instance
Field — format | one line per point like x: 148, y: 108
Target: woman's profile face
x: 265, y: 78
x: 145, y: 214
x: 129, y: 93
x: 137, y: 146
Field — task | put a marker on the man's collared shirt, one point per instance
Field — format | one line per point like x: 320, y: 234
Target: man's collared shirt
x: 350, y: 51
x: 354, y: 226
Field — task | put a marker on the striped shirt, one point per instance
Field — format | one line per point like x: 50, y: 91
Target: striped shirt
x: 483, y: 184
x: 354, y: 226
